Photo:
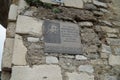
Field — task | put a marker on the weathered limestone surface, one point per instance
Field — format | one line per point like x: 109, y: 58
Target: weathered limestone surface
x: 80, y: 57
x: 41, y: 72
x: 32, y: 39
x: 86, y: 24
x: 13, y: 12
x: 75, y: 3
x: 68, y: 3
x: 100, y: 4
x: 82, y: 76
x: 19, y: 52
x: 113, y: 42
x: 51, y: 59
x: 86, y: 68
x: 7, y: 54
x: 117, y: 50
x: 29, y: 25
x: 109, y: 30
x: 22, y: 5
x: 10, y: 33
x: 49, y: 1
x: 114, y: 60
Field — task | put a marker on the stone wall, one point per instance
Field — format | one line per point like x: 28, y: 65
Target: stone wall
x: 24, y: 57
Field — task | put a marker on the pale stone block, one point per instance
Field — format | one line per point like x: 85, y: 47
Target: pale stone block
x: 100, y: 4
x: 41, y: 72
x: 113, y: 42
x: 13, y: 12
x: 109, y: 30
x: 75, y: 3
x: 49, y: 1
x: 108, y: 77
x: 29, y: 25
x: 51, y: 59
x: 19, y: 52
x: 22, y: 5
x: 80, y: 57
x: 7, y: 54
x: 86, y: 24
x: 114, y: 60
x: 112, y: 35
x: 104, y: 55
x: 10, y: 33
x: 106, y: 49
x: 117, y: 50
x: 5, y: 75
x: 86, y: 68
x: 82, y: 76
x: 32, y: 39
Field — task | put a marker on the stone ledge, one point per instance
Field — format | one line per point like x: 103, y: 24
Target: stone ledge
x: 7, y: 54
x: 41, y: 72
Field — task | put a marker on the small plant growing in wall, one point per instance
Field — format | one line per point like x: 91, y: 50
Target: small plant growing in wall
x: 56, y: 10
x: 47, y: 5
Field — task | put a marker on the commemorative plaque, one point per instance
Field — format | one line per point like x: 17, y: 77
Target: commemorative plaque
x: 61, y: 37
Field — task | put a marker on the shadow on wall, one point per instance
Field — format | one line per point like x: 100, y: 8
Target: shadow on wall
x: 4, y: 9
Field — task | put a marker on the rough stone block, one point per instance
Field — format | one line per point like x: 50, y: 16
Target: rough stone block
x: 7, y: 54
x: 107, y: 23
x: 82, y: 76
x: 114, y: 60
x: 109, y: 30
x: 49, y: 1
x: 86, y: 68
x: 90, y: 6
x: 21, y: 5
x: 80, y: 57
x: 51, y: 59
x: 111, y: 35
x: 106, y: 49
x: 19, y: 52
x: 100, y: 4
x: 13, y: 12
x: 41, y: 72
x: 113, y: 42
x: 86, y: 24
x: 117, y: 50
x: 29, y: 25
x: 5, y: 75
x: 32, y: 39
x: 108, y: 77
x: 10, y: 33
x: 75, y: 3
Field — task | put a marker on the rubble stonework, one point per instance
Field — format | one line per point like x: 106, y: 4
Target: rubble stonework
x: 24, y: 57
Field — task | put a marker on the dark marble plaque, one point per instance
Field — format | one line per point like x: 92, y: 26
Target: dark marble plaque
x: 61, y: 37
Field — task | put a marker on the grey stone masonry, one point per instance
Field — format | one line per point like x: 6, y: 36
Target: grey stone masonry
x: 62, y: 40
